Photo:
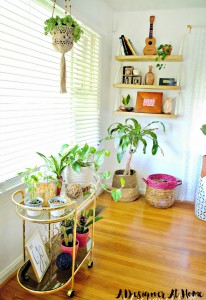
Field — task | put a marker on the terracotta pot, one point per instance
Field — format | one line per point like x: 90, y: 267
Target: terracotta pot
x: 69, y: 249
x: 82, y: 238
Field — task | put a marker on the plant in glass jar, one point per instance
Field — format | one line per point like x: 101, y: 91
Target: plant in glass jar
x: 163, y: 51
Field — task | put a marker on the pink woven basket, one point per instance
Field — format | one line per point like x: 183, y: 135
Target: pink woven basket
x: 162, y: 181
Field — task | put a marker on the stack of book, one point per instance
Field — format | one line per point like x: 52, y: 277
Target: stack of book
x: 126, y: 46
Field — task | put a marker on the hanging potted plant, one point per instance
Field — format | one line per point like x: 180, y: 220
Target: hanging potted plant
x: 163, y: 51
x: 64, y: 31
x: 31, y: 178
x: 127, y: 137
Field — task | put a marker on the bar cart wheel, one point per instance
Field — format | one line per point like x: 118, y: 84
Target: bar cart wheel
x: 90, y: 264
x: 70, y: 293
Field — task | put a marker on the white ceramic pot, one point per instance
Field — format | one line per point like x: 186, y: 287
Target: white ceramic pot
x: 56, y: 202
x: 33, y: 213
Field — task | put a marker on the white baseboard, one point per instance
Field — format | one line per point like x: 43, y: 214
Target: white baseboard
x: 10, y: 269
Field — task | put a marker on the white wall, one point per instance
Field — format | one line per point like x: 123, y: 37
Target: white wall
x: 10, y: 224
x: 169, y: 26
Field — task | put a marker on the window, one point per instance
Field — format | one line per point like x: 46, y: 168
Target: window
x: 34, y: 116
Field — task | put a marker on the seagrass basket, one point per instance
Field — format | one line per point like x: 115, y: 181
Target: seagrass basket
x: 160, y: 191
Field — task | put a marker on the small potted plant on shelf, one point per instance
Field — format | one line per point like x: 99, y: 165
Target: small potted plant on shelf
x: 31, y: 177
x: 125, y: 103
x: 84, y: 221
x: 163, y: 51
x: 67, y: 243
x: 127, y: 137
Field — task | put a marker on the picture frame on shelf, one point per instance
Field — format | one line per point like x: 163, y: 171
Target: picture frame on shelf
x: 127, y: 79
x: 128, y: 70
x: 136, y: 80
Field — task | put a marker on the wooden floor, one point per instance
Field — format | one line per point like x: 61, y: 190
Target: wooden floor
x: 138, y: 248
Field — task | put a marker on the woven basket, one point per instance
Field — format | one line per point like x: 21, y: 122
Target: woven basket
x: 62, y: 38
x: 130, y: 180
x: 160, y: 190
x: 160, y: 198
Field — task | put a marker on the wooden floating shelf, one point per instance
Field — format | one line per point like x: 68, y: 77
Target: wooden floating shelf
x: 141, y: 86
x: 131, y: 113
x: 169, y: 58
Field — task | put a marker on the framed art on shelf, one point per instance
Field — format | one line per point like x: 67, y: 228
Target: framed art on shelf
x: 37, y: 255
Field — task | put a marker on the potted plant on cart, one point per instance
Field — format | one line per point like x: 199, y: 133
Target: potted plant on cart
x: 31, y: 177
x: 67, y: 242
x: 57, y: 163
x: 163, y: 51
x: 85, y: 219
x: 92, y: 159
x: 127, y: 138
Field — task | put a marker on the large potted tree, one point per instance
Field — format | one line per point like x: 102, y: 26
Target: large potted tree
x: 127, y: 137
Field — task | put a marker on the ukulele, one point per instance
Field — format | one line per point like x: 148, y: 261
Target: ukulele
x: 150, y: 48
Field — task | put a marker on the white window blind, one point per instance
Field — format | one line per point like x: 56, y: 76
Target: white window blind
x: 34, y: 116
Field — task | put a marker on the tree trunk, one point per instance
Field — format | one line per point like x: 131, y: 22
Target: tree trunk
x: 127, y: 169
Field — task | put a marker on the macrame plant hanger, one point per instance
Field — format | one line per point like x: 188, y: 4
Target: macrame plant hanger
x: 62, y: 40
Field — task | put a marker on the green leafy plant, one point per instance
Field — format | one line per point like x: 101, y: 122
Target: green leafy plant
x: 31, y: 177
x: 88, y: 156
x: 126, y: 100
x: 56, y: 164
x: 51, y: 23
x: 162, y: 52
x: 127, y: 137
x: 203, y: 129
x: 86, y: 219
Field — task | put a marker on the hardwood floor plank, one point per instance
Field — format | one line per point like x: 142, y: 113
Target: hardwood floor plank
x: 137, y: 248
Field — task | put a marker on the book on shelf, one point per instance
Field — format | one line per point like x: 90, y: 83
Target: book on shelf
x: 130, y: 46
x: 126, y: 46
x: 127, y: 51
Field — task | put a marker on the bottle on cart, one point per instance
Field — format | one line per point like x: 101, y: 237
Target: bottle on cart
x: 149, y: 77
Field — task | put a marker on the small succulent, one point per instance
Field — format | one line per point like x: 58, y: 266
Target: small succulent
x: 85, y: 220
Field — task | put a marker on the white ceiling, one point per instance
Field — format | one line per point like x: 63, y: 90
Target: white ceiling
x: 136, y: 5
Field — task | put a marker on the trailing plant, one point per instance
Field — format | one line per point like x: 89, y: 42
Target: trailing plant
x: 162, y: 52
x: 127, y: 137
x: 56, y: 164
x: 31, y: 177
x: 67, y: 20
x: 203, y: 129
x: 86, y: 219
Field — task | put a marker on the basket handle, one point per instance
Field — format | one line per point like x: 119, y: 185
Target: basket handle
x: 145, y: 180
x: 179, y: 182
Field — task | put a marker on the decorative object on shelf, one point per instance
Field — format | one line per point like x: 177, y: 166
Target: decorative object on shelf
x: 127, y: 137
x: 127, y: 74
x: 160, y: 190
x: 125, y: 102
x: 149, y: 77
x: 31, y: 177
x: 57, y: 202
x: 150, y: 48
x: 162, y: 52
x: 74, y: 190
x: 167, y: 81
x: 64, y: 261
x: 200, y: 198
x: 167, y: 105
x: 84, y: 221
x: 149, y: 102
x: 38, y: 256
x: 64, y: 32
